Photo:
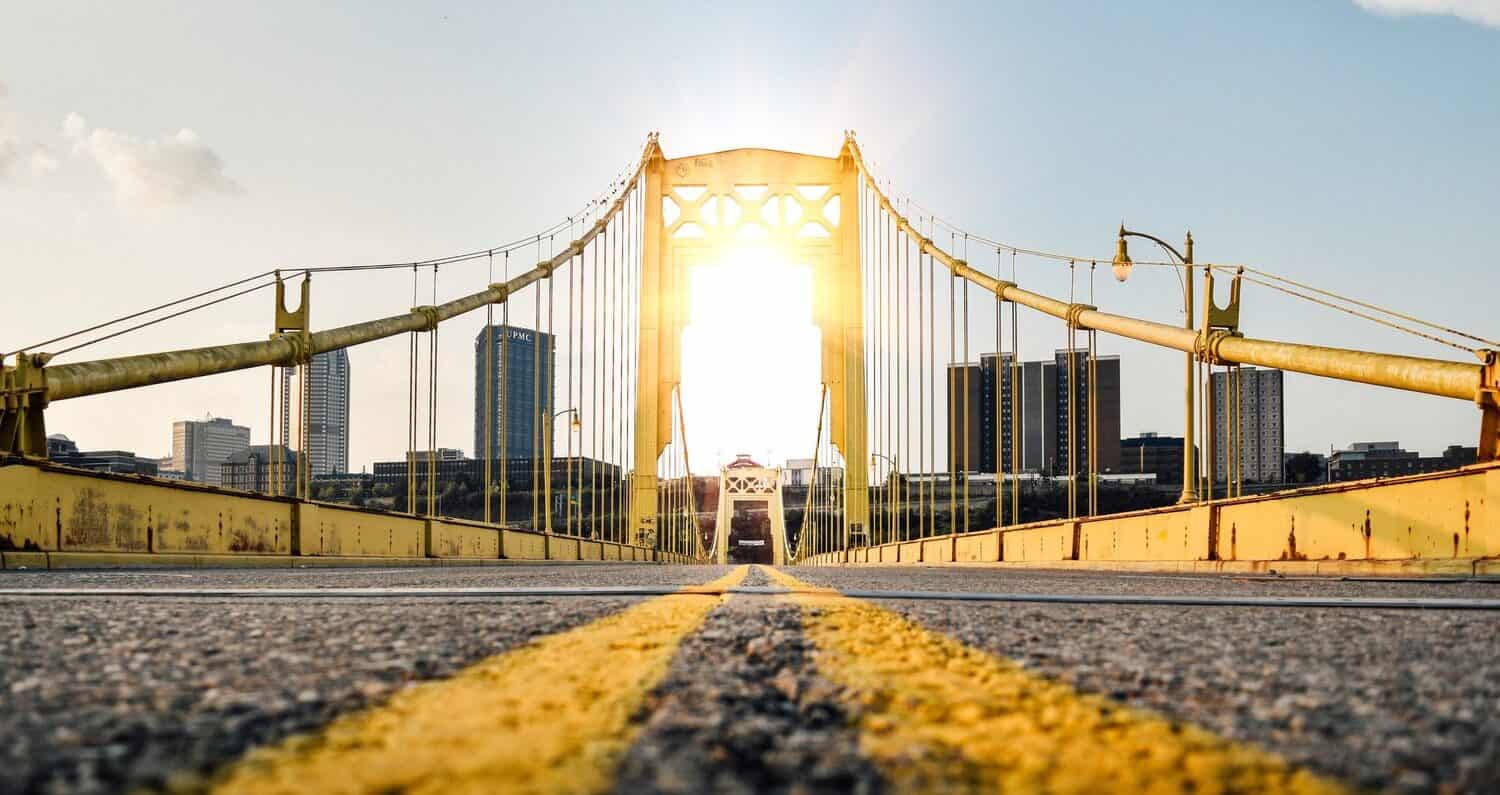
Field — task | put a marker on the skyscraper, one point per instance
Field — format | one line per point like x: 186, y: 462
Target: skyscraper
x: 1262, y: 425
x: 522, y: 390
x: 327, y: 412
x: 200, y: 447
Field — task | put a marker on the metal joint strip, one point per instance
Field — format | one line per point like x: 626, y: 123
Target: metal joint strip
x: 1207, y: 346
x: 1075, y: 310
x: 429, y: 315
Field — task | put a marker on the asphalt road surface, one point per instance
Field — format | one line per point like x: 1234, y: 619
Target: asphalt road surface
x: 446, y: 679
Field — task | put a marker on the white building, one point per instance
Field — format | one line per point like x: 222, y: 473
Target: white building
x: 200, y: 447
x: 1262, y: 425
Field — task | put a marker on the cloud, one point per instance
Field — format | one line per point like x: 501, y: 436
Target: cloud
x: 1483, y: 12
x: 42, y: 161
x: 158, y: 172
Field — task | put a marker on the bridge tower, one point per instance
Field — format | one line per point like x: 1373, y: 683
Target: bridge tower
x: 805, y: 209
x: 745, y: 481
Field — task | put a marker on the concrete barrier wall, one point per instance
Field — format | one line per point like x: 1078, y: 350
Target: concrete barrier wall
x: 455, y: 538
x: 1170, y: 534
x: 1444, y: 522
x: 58, y: 516
x: 977, y: 547
x: 1439, y: 516
x: 45, y: 509
x: 324, y: 529
x: 938, y: 550
x: 1051, y: 541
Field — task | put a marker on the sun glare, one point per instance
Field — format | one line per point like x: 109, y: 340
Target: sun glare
x: 750, y: 357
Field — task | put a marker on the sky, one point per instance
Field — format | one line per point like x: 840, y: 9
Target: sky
x: 148, y: 150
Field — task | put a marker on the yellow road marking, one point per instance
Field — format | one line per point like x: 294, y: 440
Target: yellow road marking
x: 936, y: 715
x: 551, y: 716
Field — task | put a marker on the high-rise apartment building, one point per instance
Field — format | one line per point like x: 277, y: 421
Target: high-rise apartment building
x: 973, y: 440
x: 1044, y: 429
x: 1262, y: 414
x: 520, y: 400
x: 327, y: 412
x: 200, y: 447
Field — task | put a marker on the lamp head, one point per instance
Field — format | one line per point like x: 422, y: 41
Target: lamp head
x: 577, y: 423
x: 1122, y: 263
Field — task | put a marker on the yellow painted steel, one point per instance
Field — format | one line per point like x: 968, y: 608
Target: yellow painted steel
x: 761, y: 185
x: 551, y: 717
x: 935, y: 715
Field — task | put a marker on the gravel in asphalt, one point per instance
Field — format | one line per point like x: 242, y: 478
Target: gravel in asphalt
x: 1391, y: 700
x: 742, y: 710
x: 111, y: 695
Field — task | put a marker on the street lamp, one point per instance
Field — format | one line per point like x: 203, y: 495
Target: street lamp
x: 1122, y: 267
x: 574, y: 426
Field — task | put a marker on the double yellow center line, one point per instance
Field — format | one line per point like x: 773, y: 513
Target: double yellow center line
x: 552, y: 716
x: 932, y: 714
x: 938, y: 716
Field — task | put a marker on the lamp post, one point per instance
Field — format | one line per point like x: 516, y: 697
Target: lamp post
x: 1121, y: 267
x: 574, y: 426
x: 889, y: 491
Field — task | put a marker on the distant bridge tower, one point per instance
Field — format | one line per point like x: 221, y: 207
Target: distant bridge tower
x: 749, y: 483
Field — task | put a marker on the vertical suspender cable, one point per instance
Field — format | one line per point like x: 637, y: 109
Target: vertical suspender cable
x: 575, y: 264
x: 411, y: 410
x: 1093, y: 408
x: 932, y: 386
x: 594, y: 405
x: 489, y: 394
x: 505, y: 398
x: 432, y: 407
x: 924, y: 322
x: 1072, y: 424
x: 995, y: 392
x: 1015, y: 402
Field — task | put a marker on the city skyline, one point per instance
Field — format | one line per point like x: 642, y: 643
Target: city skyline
x: 1298, y: 198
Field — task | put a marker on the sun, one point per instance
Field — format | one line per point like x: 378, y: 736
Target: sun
x: 750, y: 359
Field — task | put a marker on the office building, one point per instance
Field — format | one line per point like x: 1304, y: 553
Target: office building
x: 327, y: 412
x: 1386, y: 459
x: 1153, y: 454
x: 521, y: 393
x: 1044, y: 430
x: 1262, y: 425
x: 200, y: 447
x: 63, y: 450
x: 251, y: 469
